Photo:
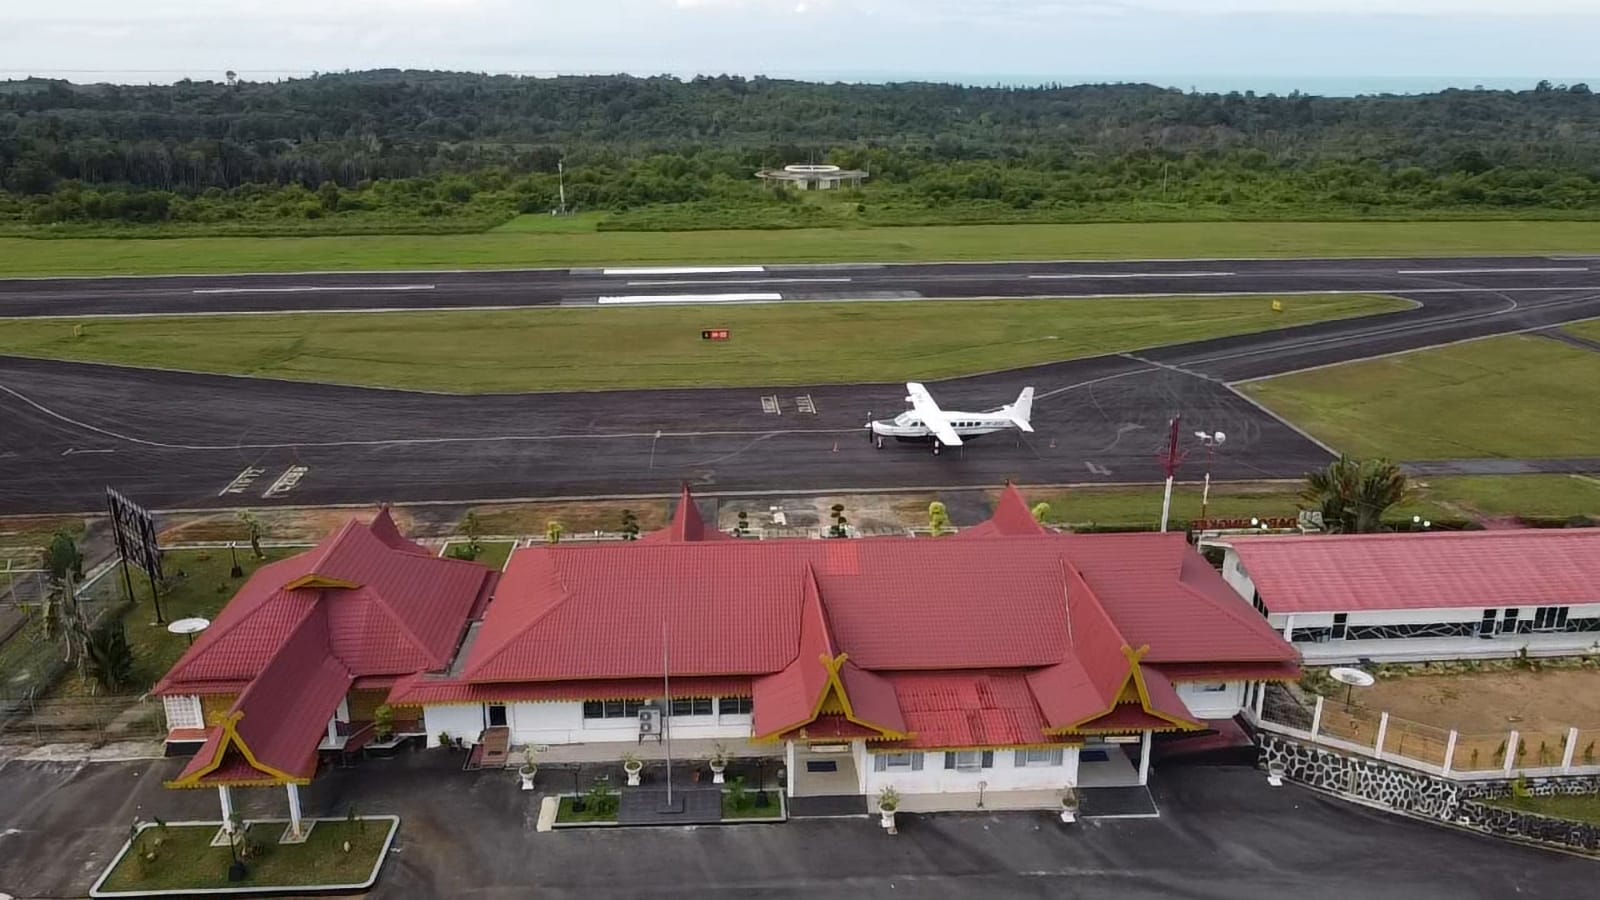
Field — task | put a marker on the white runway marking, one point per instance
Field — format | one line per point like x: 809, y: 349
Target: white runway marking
x: 686, y: 270
x: 1094, y: 275
x: 1489, y: 271
x: 635, y: 299
x: 314, y: 289
x: 286, y: 482
x: 672, y: 283
x: 242, y: 480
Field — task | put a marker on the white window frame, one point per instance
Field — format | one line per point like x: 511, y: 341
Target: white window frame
x: 1040, y: 757
x: 1214, y: 687
x: 736, y: 717
x: 184, y: 711
x: 969, y: 760
x: 898, y: 761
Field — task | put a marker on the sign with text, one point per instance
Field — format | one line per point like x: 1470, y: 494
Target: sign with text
x: 715, y: 334
x: 1231, y: 524
x: 135, y: 532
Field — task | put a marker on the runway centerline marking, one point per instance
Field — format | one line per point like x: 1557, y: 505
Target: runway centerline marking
x: 314, y: 289
x: 1511, y: 271
x: 685, y: 270
x: 634, y: 299
x: 677, y: 282
x: 1094, y: 275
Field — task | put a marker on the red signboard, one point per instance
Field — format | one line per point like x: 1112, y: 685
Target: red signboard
x: 1230, y: 524
x: 715, y: 334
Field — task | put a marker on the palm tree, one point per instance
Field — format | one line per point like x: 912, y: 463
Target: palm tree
x: 108, y: 657
x: 1353, y: 495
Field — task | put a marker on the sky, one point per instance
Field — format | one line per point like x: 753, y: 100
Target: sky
x: 1324, y: 46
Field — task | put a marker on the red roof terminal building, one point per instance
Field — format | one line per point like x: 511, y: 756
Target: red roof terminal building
x: 1007, y: 658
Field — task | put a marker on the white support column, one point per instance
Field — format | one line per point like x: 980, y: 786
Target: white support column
x: 1144, y: 757
x: 1316, y: 718
x: 1383, y: 731
x: 1511, y: 752
x: 1261, y: 697
x: 1288, y: 626
x: 294, y: 808
x: 333, y: 731
x: 1572, y: 746
x: 788, y: 765
x: 225, y: 795
x: 1450, y: 752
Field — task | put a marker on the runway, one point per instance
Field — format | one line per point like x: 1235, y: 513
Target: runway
x: 178, y: 441
x: 713, y: 284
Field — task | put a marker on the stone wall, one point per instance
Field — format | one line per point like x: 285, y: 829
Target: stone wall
x: 1419, y: 794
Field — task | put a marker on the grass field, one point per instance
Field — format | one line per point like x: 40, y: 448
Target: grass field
x: 1579, y: 807
x: 1516, y: 396
x: 535, y: 241
x: 594, y: 349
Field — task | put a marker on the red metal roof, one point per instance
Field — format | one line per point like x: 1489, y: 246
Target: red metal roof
x: 959, y: 710
x: 686, y: 525
x: 402, y: 610
x: 1438, y: 570
x: 1011, y: 516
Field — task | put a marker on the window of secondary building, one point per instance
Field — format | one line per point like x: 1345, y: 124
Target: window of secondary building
x: 1216, y: 687
x: 691, y: 706
x: 1486, y: 627
x: 1550, y: 618
x: 735, y: 706
x: 1038, y: 757
x: 969, y: 760
x: 612, y: 709
x: 897, y: 762
x: 1340, y: 620
x: 1508, y: 622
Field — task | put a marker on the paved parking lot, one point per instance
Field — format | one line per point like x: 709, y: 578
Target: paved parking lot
x: 1222, y: 834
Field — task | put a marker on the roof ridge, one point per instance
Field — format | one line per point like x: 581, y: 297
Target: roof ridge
x: 1235, y: 611
x: 395, y: 617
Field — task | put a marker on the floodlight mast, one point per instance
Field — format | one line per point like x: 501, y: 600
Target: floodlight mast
x: 1212, y: 440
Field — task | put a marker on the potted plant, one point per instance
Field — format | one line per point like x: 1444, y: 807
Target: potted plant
x: 1069, y: 805
x: 888, y: 802
x: 383, y: 723
x: 445, y: 742
x: 631, y: 766
x: 719, y: 763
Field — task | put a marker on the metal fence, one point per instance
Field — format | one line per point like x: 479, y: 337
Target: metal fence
x: 86, y: 720
x: 1429, y: 748
x: 32, y: 662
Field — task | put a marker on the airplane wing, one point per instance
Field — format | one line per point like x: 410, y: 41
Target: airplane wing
x: 931, y: 415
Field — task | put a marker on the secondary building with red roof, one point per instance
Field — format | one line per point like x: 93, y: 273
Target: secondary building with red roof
x: 1410, y: 597
x: 1008, y: 656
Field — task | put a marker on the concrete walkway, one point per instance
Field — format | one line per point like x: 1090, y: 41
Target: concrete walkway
x: 1494, y: 466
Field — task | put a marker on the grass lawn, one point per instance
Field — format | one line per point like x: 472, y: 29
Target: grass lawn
x: 595, y: 349
x: 491, y: 553
x: 751, y: 810
x: 575, y: 518
x: 202, y: 590
x: 1590, y: 329
x: 1580, y: 807
x: 187, y: 861
x: 1553, y: 496
x: 1514, y: 396
x: 565, y: 813
x: 23, y: 537
x: 537, y: 241
x: 1134, y: 507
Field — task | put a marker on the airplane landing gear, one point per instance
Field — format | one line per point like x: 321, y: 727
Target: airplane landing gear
x: 936, y: 447
x: 878, y: 442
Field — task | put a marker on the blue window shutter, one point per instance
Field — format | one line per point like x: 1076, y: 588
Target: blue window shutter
x: 880, y: 763
x: 1021, y: 760
x: 988, y: 759
x: 916, y: 762
x: 1056, y: 756
x: 949, y: 759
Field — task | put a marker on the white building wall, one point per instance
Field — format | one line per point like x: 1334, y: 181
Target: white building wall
x: 1223, y: 704
x: 934, y: 778
x: 562, y: 722
x: 463, y: 721
x: 1234, y: 574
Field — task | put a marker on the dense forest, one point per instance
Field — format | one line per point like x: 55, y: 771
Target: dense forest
x: 392, y: 150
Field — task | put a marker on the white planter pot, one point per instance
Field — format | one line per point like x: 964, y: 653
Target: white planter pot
x: 527, y: 777
x: 886, y: 818
x: 1069, y: 816
x: 633, y: 774
x: 716, y: 772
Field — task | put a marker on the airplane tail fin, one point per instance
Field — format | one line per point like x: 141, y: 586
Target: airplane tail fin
x: 1021, y: 412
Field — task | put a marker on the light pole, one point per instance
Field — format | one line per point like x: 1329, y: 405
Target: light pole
x: 1170, y: 460
x: 1212, y: 440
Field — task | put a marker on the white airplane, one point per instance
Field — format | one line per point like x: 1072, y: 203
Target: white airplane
x: 925, y: 421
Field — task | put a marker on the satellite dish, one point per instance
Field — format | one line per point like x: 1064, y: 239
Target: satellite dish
x: 1352, y: 677
x: 189, y: 627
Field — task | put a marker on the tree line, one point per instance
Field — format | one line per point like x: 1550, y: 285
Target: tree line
x: 430, y: 147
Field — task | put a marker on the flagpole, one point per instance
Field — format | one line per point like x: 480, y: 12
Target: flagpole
x: 666, y: 714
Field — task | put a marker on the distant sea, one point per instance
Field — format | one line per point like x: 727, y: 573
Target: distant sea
x: 1324, y: 85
